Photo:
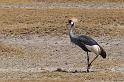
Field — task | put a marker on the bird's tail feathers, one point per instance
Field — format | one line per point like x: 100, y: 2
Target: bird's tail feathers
x: 103, y: 53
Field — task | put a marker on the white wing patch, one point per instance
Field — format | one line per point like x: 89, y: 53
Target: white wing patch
x: 94, y: 48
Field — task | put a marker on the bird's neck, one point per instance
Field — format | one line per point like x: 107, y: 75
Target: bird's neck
x: 71, y: 32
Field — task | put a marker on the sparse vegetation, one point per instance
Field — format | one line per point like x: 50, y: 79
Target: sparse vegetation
x: 34, y: 39
x: 45, y: 22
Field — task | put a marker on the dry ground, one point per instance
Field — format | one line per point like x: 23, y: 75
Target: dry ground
x: 35, y: 42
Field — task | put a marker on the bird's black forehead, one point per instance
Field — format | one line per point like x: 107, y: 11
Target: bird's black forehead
x: 69, y: 21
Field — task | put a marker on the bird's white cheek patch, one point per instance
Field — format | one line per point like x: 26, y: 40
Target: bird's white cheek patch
x: 94, y: 48
x: 72, y: 22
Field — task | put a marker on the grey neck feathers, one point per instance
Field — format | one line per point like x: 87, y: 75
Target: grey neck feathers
x: 71, y: 32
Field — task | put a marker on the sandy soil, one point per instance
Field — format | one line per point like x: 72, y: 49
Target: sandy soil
x: 35, y: 47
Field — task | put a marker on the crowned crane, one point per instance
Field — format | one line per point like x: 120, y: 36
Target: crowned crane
x: 85, y: 42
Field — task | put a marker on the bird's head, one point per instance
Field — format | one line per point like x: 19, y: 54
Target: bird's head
x: 71, y: 22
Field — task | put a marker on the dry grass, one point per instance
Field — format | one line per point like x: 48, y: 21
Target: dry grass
x: 53, y: 21
x: 9, y: 48
x: 16, y: 1
x: 21, y: 51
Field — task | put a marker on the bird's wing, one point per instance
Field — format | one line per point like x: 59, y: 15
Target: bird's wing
x: 86, y: 40
x: 89, y: 42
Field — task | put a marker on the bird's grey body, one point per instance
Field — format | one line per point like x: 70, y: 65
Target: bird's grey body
x: 86, y: 43
x: 82, y: 41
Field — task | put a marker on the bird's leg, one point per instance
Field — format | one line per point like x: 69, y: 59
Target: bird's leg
x: 88, y: 66
x: 92, y: 61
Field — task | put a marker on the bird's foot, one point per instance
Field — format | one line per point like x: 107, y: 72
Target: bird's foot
x: 88, y: 67
x: 87, y: 70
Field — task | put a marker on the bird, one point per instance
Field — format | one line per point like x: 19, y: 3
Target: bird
x: 85, y: 42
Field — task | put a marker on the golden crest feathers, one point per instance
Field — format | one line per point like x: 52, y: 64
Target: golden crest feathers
x: 74, y: 19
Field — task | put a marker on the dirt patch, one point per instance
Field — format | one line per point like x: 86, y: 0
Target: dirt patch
x: 63, y: 60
